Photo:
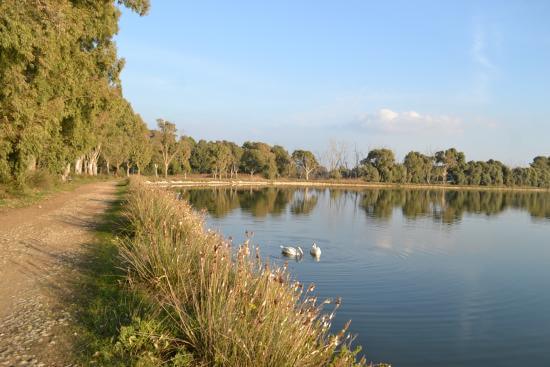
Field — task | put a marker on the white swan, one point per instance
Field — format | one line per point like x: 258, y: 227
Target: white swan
x: 315, y: 250
x: 292, y: 251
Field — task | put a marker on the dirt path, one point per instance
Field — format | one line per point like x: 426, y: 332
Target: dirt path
x: 39, y: 249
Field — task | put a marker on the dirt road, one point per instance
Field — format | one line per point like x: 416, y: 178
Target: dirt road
x: 39, y: 251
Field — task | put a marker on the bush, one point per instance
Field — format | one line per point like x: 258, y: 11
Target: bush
x: 227, y: 307
x: 41, y: 180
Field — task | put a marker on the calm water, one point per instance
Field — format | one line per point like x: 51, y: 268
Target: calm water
x: 428, y: 278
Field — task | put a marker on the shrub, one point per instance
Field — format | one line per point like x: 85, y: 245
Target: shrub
x: 41, y: 180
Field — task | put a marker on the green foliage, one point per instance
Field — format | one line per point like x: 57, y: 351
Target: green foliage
x: 419, y: 167
x: 165, y: 143
x: 369, y: 173
x: 283, y: 160
x: 186, y: 147
x: 305, y: 162
x: 59, y: 75
x: 452, y: 163
x: 383, y: 160
x: 450, y: 167
x: 258, y: 158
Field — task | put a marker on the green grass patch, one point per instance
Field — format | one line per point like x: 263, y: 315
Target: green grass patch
x: 41, y: 187
x: 116, y: 322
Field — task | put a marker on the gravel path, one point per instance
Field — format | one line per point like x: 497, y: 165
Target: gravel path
x: 39, y: 251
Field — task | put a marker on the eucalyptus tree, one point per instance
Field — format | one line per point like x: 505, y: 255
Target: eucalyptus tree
x: 452, y: 162
x: 283, y: 160
x: 257, y: 157
x: 201, y: 157
x: 369, y: 173
x: 419, y: 167
x: 141, y: 148
x: 221, y: 158
x: 236, y: 156
x: 305, y: 161
x: 164, y: 140
x: 399, y: 173
x: 383, y: 160
x: 186, y: 144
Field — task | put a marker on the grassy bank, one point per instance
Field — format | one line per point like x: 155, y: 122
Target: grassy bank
x: 187, y: 297
x: 117, y: 322
x: 255, y: 181
x: 39, y: 187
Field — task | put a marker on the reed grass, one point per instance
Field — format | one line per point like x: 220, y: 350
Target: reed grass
x: 225, y: 304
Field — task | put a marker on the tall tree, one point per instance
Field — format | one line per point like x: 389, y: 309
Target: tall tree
x: 141, y: 149
x: 283, y: 160
x: 222, y: 157
x: 201, y: 157
x: 305, y: 162
x: 186, y: 144
x: 419, y: 167
x: 452, y: 162
x: 236, y: 156
x: 258, y: 158
x: 383, y: 160
x: 166, y: 143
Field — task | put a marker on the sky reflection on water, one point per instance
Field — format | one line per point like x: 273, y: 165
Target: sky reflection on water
x: 440, y: 278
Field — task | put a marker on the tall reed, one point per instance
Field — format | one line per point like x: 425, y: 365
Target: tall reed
x: 229, y: 307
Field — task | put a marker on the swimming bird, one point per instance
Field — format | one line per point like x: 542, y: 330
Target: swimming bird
x: 292, y: 251
x: 315, y: 250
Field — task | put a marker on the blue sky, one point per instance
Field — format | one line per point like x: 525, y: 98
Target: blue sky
x: 408, y: 75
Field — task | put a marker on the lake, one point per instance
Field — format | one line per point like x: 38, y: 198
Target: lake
x: 428, y: 278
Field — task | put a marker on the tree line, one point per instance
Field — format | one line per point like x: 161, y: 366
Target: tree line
x: 169, y: 155
x: 62, y: 112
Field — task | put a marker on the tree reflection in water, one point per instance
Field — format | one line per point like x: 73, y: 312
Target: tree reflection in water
x: 443, y: 206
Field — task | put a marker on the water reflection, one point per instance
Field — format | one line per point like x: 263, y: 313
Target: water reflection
x: 447, y: 207
x: 425, y: 277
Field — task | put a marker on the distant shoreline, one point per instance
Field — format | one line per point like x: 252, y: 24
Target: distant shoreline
x: 211, y: 182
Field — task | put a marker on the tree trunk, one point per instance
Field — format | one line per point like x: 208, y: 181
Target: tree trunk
x: 156, y: 170
x: 78, y: 165
x: 128, y: 170
x: 92, y: 158
x: 88, y: 167
x: 31, y: 163
x: 66, y: 172
x: 107, y: 165
x: 166, y: 169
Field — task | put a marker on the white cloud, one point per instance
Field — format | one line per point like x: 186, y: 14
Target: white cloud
x: 485, y: 69
x: 479, y: 52
x: 392, y: 122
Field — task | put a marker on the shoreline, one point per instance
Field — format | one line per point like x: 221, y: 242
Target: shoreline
x: 180, y: 183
